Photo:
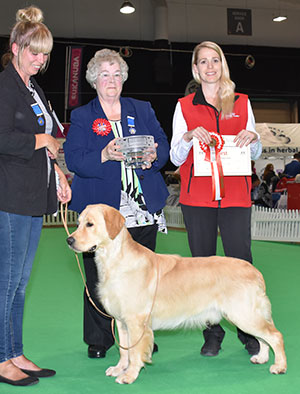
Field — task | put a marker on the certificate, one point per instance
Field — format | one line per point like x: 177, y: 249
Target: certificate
x: 235, y: 160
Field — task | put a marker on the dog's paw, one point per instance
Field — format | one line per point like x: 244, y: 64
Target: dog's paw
x: 277, y: 369
x: 259, y: 359
x: 126, y: 378
x: 114, y: 371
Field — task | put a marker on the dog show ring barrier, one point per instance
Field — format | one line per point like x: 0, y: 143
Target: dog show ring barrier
x: 267, y: 224
x: 271, y: 224
x: 174, y: 217
x: 56, y: 220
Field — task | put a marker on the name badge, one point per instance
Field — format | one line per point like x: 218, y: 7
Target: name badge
x: 37, y: 109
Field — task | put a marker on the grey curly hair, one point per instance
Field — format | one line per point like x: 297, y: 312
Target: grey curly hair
x: 105, y: 55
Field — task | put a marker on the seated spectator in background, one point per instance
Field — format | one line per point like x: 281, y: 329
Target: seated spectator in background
x: 269, y: 177
x: 268, y: 168
x: 260, y: 194
x: 293, y: 168
x: 281, y: 186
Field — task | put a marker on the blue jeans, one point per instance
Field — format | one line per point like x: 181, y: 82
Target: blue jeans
x: 19, y: 238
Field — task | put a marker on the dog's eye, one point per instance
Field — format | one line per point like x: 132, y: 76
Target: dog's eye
x: 89, y: 224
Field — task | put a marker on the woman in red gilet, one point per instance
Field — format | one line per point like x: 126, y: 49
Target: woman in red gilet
x: 215, y: 201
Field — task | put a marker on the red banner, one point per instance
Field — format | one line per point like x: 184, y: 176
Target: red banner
x: 63, y: 134
x: 75, y: 77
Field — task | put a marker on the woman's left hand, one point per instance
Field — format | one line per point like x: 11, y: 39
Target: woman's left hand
x: 64, y: 192
x: 112, y: 152
x: 149, y: 156
x: 244, y: 138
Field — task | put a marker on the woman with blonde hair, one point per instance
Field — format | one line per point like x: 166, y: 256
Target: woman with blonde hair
x: 226, y: 96
x: 215, y: 202
x: 32, y: 183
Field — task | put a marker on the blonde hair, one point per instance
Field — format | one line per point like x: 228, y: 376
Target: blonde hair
x: 227, y: 86
x: 105, y: 55
x: 29, y: 31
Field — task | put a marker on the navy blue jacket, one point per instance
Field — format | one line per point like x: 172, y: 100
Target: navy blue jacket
x: 95, y: 182
x: 292, y: 168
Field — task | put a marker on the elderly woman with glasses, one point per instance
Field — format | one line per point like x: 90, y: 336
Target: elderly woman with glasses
x: 92, y: 154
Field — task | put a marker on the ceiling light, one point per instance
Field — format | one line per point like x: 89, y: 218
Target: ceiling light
x: 279, y: 18
x: 127, y: 8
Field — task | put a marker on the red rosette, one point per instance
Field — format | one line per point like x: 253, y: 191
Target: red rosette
x: 217, y: 142
x: 101, y: 127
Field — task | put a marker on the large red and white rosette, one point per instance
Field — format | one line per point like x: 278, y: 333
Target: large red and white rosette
x: 212, y: 154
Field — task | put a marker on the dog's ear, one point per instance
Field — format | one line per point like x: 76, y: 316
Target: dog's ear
x: 114, y: 221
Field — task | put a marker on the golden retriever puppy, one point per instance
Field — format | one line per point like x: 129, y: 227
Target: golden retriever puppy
x: 146, y: 291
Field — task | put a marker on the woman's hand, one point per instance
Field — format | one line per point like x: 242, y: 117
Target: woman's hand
x: 200, y: 133
x: 244, y: 138
x: 149, y: 157
x: 64, y: 192
x: 111, y: 152
x: 49, y: 142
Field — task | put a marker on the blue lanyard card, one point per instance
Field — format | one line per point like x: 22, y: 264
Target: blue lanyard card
x: 36, y: 109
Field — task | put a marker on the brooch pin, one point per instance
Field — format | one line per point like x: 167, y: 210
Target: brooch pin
x: 131, y: 126
x: 101, y: 127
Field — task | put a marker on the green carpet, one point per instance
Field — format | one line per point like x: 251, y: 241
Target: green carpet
x: 53, y: 331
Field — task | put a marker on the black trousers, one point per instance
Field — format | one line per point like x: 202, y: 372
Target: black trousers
x: 96, y: 327
x: 202, y: 225
x: 235, y: 228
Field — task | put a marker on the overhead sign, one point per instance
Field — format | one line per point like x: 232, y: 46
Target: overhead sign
x: 239, y: 22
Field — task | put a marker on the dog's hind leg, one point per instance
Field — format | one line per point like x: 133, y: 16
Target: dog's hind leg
x: 124, y: 356
x: 255, y: 318
x: 267, y: 335
x: 273, y: 338
x: 141, y: 338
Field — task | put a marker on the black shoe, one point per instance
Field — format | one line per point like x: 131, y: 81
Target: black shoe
x: 96, y: 351
x: 42, y: 373
x: 211, y: 347
x: 155, y: 348
x: 250, y: 342
x: 252, y: 346
x: 29, y: 381
x: 213, y: 336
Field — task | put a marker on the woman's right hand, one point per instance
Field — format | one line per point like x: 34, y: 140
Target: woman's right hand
x: 200, y: 133
x: 111, y: 152
x: 49, y: 142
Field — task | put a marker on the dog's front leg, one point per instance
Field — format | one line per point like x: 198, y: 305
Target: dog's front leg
x: 124, y: 358
x: 140, y: 348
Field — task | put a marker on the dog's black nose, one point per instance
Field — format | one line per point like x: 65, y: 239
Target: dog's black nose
x: 70, y: 241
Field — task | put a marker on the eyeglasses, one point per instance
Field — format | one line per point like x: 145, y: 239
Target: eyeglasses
x: 105, y: 76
